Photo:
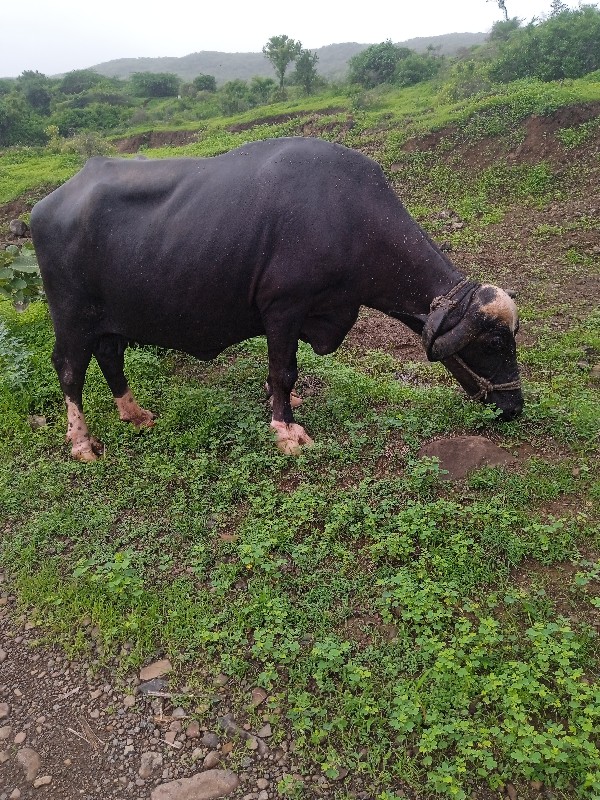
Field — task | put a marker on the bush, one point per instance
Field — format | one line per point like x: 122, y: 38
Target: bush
x: 155, y: 84
x: 564, y: 46
x: 376, y: 64
x: 416, y: 68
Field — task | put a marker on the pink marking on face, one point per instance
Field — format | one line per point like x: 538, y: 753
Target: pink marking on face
x: 502, y: 307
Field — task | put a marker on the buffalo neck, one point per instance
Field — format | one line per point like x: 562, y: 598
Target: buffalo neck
x: 409, y: 273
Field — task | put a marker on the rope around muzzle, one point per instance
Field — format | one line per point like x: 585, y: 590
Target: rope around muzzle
x: 485, y: 386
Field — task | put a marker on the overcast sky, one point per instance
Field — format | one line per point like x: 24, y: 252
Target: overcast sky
x: 55, y: 36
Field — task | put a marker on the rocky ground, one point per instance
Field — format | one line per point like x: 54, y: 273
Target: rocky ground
x: 66, y: 732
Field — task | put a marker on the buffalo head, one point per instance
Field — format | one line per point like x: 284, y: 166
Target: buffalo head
x: 471, y: 330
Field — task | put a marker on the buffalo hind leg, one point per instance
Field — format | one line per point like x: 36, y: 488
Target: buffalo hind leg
x: 283, y: 373
x: 71, y: 365
x: 110, y: 355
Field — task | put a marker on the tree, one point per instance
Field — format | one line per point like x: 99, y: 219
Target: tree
x: 35, y: 87
x: 78, y: 80
x: 557, y: 7
x: 415, y: 68
x: 305, y: 73
x: 503, y: 29
x: 261, y: 89
x: 205, y: 83
x: 155, y: 84
x: 563, y: 46
x: 502, y: 6
x: 376, y: 64
x: 281, y: 51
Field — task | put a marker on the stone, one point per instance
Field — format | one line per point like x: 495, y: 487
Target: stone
x: 154, y: 686
x: 30, y: 762
x: 156, y: 670
x: 511, y: 791
x: 37, y: 421
x: 210, y: 740
x: 221, y: 679
x: 193, y: 730
x: 4, y: 756
x: 18, y: 228
x: 262, y: 783
x: 5, y: 732
x: 595, y: 373
x: 129, y: 701
x: 208, y: 785
x: 211, y: 760
x: 462, y: 454
x: 149, y: 763
x: 15, y: 794
x: 4, y: 710
x: 263, y: 795
x: 265, y: 731
x: 45, y: 780
x: 3, y: 656
x: 258, y: 696
x: 20, y: 737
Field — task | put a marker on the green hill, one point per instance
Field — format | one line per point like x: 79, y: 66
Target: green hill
x: 333, y: 59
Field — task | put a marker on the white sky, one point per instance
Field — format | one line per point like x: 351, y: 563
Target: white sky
x: 55, y: 36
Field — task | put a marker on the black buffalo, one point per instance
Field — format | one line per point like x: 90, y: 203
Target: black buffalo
x: 286, y: 238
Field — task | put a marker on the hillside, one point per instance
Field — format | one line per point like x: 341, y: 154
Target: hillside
x: 333, y: 59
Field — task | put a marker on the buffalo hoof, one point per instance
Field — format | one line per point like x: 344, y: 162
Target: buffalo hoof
x: 140, y: 419
x: 131, y: 411
x: 87, y: 449
x: 291, y: 438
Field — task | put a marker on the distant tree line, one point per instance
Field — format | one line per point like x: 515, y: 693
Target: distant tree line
x: 35, y: 108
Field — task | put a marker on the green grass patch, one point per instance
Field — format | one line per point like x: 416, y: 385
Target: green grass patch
x: 377, y: 605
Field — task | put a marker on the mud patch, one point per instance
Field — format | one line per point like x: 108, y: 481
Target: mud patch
x: 152, y: 139
x: 278, y: 119
x: 463, y: 454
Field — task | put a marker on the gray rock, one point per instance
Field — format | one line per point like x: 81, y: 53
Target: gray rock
x: 45, y: 780
x: 156, y: 685
x: 5, y: 732
x: 3, y: 656
x: 30, y: 762
x: 265, y: 731
x: 18, y: 228
x: 4, y: 710
x: 149, y: 763
x: 208, y: 785
x: 210, y: 740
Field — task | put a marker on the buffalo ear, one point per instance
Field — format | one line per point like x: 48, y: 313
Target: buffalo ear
x: 454, y: 340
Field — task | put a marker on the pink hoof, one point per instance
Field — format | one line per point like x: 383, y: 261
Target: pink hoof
x: 291, y: 438
x: 87, y: 449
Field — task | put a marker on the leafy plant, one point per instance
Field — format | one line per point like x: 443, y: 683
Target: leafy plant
x: 20, y: 279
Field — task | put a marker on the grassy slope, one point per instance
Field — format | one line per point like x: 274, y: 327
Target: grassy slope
x: 418, y: 633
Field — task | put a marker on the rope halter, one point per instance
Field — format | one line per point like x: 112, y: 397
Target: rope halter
x: 447, y: 301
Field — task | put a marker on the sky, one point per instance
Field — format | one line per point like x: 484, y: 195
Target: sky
x: 61, y: 35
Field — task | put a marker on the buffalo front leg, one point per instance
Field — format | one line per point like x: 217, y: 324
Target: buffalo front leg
x: 71, y: 364
x: 110, y: 355
x: 283, y: 373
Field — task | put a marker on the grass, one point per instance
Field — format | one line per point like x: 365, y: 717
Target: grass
x: 199, y: 539
x: 410, y: 630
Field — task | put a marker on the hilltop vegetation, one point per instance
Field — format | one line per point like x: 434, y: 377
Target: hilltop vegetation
x: 33, y: 105
x: 416, y: 637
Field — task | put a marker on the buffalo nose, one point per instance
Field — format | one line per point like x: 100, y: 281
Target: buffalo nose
x: 509, y: 414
